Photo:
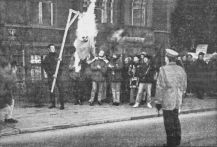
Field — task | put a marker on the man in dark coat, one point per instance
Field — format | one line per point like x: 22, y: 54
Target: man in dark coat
x: 199, y: 66
x: 146, y: 78
x: 98, y: 76
x: 126, y: 81
x: 7, y: 81
x: 49, y: 65
x: 115, y: 78
x: 133, y: 73
x: 188, y: 70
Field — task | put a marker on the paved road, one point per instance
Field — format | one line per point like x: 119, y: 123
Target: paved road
x: 198, y: 129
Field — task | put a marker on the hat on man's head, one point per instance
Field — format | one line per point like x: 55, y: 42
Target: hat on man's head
x: 101, y: 53
x: 143, y: 53
x: 148, y: 56
x: 138, y: 56
x: 201, y: 53
x: 171, y: 53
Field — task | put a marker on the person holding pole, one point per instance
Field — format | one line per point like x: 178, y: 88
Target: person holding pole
x: 49, y: 65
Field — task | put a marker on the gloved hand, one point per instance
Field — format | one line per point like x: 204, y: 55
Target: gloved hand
x: 158, y: 106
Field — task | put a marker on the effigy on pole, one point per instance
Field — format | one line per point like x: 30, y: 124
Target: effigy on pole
x: 68, y: 24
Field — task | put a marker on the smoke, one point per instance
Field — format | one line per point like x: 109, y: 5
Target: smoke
x: 85, y: 35
x: 117, y: 35
x: 87, y: 23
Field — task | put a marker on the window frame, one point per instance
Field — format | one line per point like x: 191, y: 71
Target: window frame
x: 40, y: 12
x: 105, y: 6
x: 143, y: 7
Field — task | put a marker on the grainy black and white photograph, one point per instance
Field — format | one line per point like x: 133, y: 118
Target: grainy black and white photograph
x: 108, y: 73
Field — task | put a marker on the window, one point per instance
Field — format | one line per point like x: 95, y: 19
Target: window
x: 46, y: 13
x: 139, y: 12
x: 43, y: 13
x: 109, y: 10
x: 36, y: 71
x: 100, y: 11
x: 103, y: 10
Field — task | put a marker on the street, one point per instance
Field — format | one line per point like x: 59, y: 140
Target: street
x: 198, y: 129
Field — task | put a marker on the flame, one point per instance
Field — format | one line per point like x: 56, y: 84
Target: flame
x: 85, y: 33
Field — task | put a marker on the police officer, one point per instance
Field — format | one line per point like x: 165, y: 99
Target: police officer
x: 171, y: 85
x: 49, y: 65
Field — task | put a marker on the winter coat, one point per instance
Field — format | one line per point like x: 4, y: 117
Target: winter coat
x: 49, y: 64
x: 125, y: 74
x: 115, y: 72
x: 7, y: 81
x: 199, y: 66
x: 134, y: 70
x: 171, y: 85
x: 146, y: 73
x: 98, y: 74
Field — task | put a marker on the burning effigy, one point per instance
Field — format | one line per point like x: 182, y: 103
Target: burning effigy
x: 85, y: 36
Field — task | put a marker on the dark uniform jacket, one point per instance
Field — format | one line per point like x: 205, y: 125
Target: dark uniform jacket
x: 115, y: 72
x: 98, y: 75
x: 7, y: 81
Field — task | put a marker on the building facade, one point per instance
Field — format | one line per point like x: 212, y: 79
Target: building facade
x: 28, y: 26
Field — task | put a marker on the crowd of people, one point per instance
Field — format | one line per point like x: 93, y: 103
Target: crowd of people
x: 132, y: 79
x: 138, y: 74
x: 196, y: 70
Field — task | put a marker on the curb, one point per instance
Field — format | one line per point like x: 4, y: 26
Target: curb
x: 66, y: 126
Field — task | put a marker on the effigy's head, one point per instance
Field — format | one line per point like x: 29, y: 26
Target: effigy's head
x: 101, y: 53
x: 84, y: 38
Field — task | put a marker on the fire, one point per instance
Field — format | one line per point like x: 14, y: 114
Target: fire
x: 85, y: 33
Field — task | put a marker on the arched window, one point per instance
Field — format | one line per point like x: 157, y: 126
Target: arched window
x: 139, y: 12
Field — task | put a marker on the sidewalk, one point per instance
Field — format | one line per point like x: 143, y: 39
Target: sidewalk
x: 42, y: 119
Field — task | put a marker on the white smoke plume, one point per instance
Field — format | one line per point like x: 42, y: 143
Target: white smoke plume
x: 87, y: 23
x: 117, y: 35
x: 85, y: 33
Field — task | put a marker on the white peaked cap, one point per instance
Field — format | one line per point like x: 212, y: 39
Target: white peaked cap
x: 171, y: 53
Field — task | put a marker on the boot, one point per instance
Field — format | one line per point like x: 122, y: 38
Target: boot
x: 61, y: 106
x: 52, y: 106
x: 149, y: 105
x: 136, y: 105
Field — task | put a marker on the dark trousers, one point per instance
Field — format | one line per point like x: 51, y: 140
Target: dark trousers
x: 78, y: 90
x: 60, y: 89
x: 172, y: 127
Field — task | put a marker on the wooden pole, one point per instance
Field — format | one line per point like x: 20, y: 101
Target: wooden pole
x: 68, y: 24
